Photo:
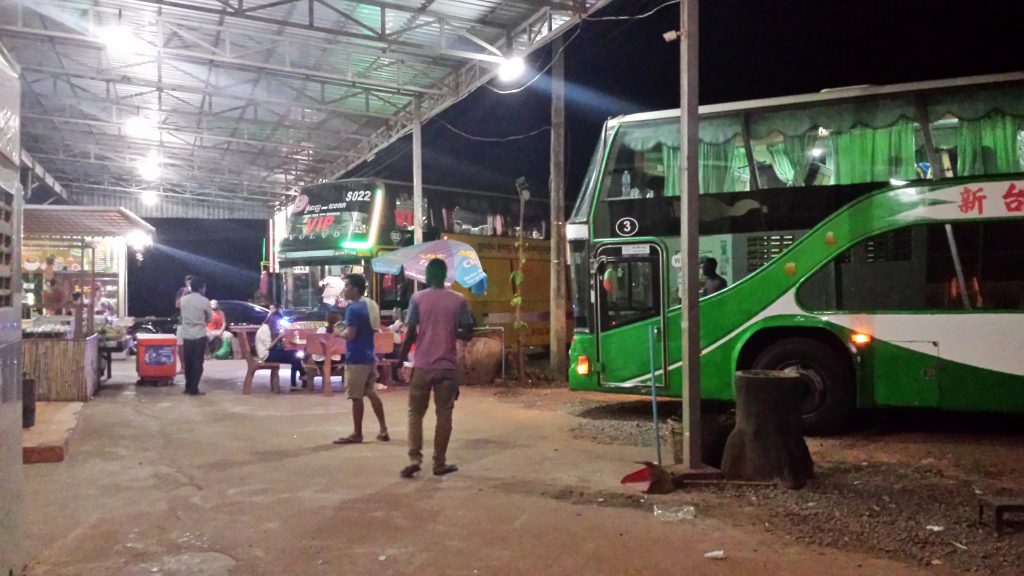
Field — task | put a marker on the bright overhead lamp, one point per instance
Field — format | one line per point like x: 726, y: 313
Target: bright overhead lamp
x: 142, y: 127
x: 511, y: 69
x: 149, y: 197
x: 149, y: 167
x: 138, y: 239
x: 122, y: 40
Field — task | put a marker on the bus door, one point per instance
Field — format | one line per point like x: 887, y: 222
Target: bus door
x: 630, y: 314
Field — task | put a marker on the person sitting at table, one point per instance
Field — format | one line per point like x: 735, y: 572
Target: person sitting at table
x: 333, y: 322
x: 270, y: 347
x: 216, y: 331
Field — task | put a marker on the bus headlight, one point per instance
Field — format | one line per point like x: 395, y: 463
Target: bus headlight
x: 583, y: 366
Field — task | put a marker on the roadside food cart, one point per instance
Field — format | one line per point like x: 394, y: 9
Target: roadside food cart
x: 73, y: 265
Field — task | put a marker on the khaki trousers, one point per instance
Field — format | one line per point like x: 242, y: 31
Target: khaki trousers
x: 446, y: 391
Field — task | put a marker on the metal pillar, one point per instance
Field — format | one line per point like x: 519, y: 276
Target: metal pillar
x: 417, y: 173
x: 688, y: 216
x: 557, y: 324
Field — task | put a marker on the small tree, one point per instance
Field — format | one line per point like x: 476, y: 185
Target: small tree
x: 517, y: 280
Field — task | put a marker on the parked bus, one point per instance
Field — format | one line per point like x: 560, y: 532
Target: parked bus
x: 877, y: 248
x: 336, y: 228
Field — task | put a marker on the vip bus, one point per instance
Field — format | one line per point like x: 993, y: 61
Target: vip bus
x: 335, y: 228
x: 876, y: 247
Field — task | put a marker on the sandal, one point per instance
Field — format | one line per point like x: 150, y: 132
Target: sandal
x: 384, y: 437
x: 409, y: 471
x: 446, y: 469
x: 349, y: 440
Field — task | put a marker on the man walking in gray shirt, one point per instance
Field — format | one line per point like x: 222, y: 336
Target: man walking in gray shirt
x: 196, y: 313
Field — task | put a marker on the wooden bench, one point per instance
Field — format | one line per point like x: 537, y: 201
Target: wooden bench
x: 384, y: 344
x: 326, y: 345
x: 255, y: 365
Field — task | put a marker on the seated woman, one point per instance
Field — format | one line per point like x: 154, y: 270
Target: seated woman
x: 270, y: 348
x: 333, y: 321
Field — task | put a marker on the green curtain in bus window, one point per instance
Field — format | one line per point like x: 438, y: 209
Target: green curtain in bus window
x: 670, y: 165
x: 988, y: 145
x: 781, y: 163
x: 799, y: 149
x: 716, y: 165
x: 874, y: 154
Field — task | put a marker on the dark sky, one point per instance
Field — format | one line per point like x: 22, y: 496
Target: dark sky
x: 748, y: 49
x: 225, y: 252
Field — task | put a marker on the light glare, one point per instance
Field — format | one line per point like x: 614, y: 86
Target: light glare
x: 149, y: 167
x: 122, y: 40
x: 511, y: 69
x: 149, y: 197
x: 142, y: 127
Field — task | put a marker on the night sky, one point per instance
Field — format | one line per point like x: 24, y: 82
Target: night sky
x: 749, y: 49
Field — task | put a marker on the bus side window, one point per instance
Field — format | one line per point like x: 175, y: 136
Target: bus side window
x: 629, y: 292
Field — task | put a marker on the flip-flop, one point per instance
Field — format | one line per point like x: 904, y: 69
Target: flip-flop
x: 348, y: 440
x: 409, y: 471
x: 446, y: 469
x: 384, y: 437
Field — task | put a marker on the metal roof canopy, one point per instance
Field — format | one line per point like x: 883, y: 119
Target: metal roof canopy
x: 249, y: 99
x: 81, y: 222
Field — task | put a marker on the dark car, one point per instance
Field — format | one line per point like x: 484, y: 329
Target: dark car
x: 241, y: 313
x: 237, y: 313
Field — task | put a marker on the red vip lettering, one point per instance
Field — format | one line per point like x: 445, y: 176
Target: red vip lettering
x: 1013, y: 199
x: 972, y: 200
x: 319, y: 224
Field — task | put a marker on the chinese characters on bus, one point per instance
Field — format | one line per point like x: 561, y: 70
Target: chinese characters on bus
x: 972, y: 200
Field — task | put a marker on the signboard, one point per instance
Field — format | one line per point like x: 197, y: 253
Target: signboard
x: 636, y: 249
x: 333, y: 218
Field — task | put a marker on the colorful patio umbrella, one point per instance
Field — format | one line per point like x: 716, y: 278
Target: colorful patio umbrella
x: 463, y: 263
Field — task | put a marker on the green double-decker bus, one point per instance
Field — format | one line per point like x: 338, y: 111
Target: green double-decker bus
x: 871, y: 238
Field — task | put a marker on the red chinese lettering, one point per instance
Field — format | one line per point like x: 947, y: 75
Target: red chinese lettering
x: 971, y: 200
x: 1014, y: 199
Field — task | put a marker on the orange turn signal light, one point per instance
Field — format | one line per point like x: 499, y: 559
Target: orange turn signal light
x: 860, y: 339
x: 583, y: 366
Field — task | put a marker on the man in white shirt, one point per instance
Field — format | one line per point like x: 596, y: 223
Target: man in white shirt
x: 332, y: 286
x: 196, y: 313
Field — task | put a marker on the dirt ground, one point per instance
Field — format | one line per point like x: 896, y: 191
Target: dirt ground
x: 161, y: 483
x: 879, y: 487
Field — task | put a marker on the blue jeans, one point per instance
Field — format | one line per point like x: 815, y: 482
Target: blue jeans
x: 283, y: 356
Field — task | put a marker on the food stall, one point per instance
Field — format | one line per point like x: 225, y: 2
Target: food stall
x: 73, y: 265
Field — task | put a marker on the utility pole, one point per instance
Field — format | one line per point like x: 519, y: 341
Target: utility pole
x: 688, y: 220
x: 557, y: 323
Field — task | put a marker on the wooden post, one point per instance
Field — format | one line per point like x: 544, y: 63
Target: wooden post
x: 557, y: 324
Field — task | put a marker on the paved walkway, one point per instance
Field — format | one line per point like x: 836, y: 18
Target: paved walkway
x: 162, y: 483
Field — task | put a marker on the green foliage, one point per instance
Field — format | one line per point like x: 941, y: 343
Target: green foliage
x: 516, y: 301
x: 517, y: 278
x: 520, y: 325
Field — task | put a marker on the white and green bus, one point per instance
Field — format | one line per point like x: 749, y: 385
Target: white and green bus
x: 872, y: 239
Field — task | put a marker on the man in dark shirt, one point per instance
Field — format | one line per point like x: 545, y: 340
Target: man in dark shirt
x: 437, y: 318
x: 712, y: 281
x: 360, y: 361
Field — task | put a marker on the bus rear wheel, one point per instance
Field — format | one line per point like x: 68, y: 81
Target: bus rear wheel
x: 831, y: 397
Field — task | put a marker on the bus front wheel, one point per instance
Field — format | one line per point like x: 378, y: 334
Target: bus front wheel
x: 831, y: 398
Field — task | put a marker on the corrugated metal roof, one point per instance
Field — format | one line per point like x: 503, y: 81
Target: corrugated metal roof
x: 244, y: 103
x: 81, y: 222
